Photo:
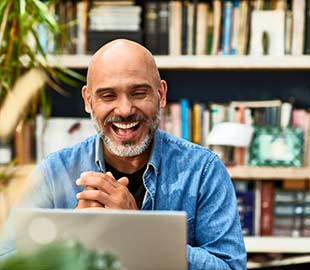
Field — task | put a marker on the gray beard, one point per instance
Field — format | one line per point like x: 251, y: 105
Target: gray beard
x: 127, y: 149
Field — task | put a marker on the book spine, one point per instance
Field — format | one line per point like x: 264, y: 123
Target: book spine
x: 267, y: 202
x: 150, y: 27
x: 163, y: 41
x: 298, y: 26
x: 184, y: 32
x: 307, y: 28
x: 185, y: 119
x: 227, y: 27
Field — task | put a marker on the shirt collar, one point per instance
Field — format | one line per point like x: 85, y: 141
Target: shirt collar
x: 156, y: 151
x: 154, y: 159
x: 99, y: 154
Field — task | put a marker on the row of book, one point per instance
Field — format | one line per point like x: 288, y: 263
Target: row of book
x: 276, y: 134
x: 280, y: 130
x: 239, y: 27
x: 230, y: 27
x: 268, y: 208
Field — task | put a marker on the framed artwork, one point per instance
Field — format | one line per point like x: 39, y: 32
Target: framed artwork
x: 276, y: 146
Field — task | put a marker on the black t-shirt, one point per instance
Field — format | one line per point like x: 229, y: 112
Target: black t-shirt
x: 135, y: 186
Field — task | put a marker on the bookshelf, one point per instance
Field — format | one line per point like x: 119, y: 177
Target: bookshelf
x: 254, y: 244
x: 269, y: 173
x: 275, y: 70
x: 277, y: 244
x: 203, y: 62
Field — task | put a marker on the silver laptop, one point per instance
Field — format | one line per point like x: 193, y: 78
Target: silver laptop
x: 141, y: 239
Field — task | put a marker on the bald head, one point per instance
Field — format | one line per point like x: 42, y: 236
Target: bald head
x: 122, y: 55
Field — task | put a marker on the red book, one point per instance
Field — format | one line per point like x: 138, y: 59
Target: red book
x: 267, y: 201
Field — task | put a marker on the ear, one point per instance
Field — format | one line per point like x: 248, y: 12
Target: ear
x: 163, y: 93
x: 86, y: 97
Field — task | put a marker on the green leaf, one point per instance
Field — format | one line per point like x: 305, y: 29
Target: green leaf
x: 3, y: 5
x: 22, y: 7
x: 38, y: 43
x: 43, y: 12
x: 72, y: 74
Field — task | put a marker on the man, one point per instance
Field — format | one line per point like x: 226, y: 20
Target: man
x: 131, y: 164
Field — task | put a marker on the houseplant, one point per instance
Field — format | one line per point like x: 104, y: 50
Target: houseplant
x: 21, y: 49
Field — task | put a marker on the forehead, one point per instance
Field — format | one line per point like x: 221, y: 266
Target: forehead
x: 112, y: 71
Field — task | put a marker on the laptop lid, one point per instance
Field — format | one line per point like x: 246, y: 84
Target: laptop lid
x: 141, y: 239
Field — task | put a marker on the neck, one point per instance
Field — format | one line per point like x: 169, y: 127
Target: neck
x: 127, y: 165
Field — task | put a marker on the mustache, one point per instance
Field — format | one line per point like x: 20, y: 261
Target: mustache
x: 120, y: 119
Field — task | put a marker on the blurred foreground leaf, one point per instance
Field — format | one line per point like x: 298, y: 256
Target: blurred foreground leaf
x: 62, y: 256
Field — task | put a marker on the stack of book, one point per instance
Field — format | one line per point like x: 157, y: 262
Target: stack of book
x: 109, y: 20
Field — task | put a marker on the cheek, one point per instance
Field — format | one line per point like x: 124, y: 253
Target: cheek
x: 101, y: 112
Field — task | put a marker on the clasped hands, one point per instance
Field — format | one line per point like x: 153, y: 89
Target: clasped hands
x: 102, y: 190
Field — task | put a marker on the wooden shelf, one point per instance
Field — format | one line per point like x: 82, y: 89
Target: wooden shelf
x: 277, y: 244
x: 269, y: 173
x: 203, y: 62
x: 297, y: 259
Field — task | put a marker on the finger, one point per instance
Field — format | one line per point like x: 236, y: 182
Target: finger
x: 90, y: 173
x: 102, y: 182
x: 110, y: 174
x: 123, y: 181
x: 88, y: 204
x: 93, y: 195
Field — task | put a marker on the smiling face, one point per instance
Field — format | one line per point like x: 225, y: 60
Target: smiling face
x: 124, y: 95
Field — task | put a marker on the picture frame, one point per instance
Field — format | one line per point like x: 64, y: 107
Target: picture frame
x: 277, y: 146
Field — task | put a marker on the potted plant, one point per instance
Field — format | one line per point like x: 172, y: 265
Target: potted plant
x: 25, y: 70
x: 22, y: 49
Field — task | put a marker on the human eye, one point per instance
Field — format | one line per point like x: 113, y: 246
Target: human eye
x: 139, y: 93
x: 106, y: 96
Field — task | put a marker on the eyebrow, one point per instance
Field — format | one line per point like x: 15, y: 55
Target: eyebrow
x: 141, y: 85
x: 133, y: 86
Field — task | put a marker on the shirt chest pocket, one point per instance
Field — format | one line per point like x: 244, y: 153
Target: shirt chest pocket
x: 191, y: 231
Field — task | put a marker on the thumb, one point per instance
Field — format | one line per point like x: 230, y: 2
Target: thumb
x: 123, y: 181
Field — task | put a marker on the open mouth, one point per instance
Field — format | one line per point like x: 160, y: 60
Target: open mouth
x: 125, y: 129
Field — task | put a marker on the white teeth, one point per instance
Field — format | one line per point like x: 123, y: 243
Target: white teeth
x: 125, y: 126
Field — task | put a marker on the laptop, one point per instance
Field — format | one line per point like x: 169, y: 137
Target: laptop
x: 148, y: 240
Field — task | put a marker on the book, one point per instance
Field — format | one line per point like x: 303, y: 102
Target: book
x: 245, y: 202
x: 243, y: 31
x: 189, y: 28
x: 217, y: 14
x: 202, y: 28
x: 298, y: 9
x: 150, y: 26
x: 307, y: 28
x: 235, y: 27
x: 175, y: 28
x: 267, y: 38
x: 163, y: 27
x: 256, y: 103
x: 82, y: 26
x: 267, y: 204
x: 185, y: 119
x: 246, y: 205
x: 239, y: 152
x: 185, y: 26
x: 288, y: 32
x: 197, y: 121
x: 175, y: 113
x: 227, y: 27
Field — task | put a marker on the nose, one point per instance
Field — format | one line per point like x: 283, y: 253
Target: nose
x: 125, y: 107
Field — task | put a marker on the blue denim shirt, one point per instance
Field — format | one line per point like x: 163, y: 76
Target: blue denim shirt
x: 179, y: 176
